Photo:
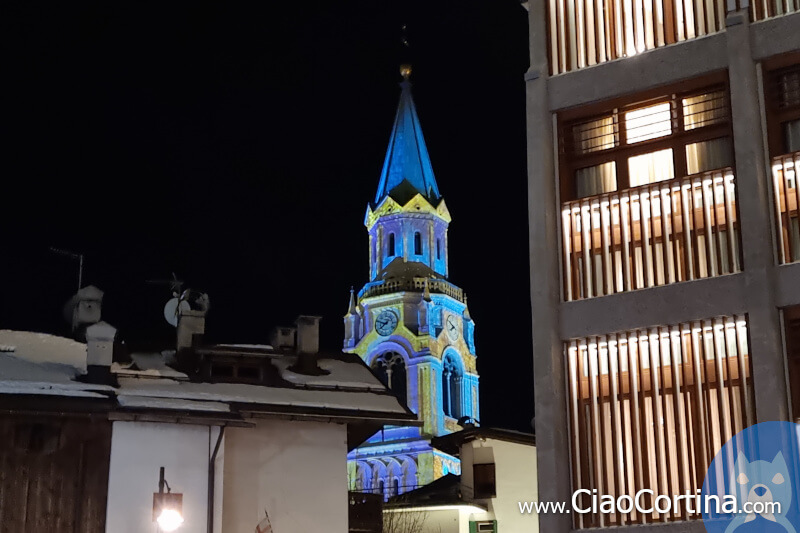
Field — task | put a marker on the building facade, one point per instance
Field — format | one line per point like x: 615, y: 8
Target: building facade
x: 249, y: 437
x: 663, y: 144
x: 409, y: 323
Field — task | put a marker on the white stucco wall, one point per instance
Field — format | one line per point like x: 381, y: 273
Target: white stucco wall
x: 138, y: 449
x: 516, y: 480
x: 296, y: 471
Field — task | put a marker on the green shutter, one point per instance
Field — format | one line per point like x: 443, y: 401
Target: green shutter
x: 473, y: 527
x: 494, y: 522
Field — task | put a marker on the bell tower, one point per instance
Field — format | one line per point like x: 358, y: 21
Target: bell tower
x: 409, y: 323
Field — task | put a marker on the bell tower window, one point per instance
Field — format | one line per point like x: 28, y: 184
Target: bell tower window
x: 438, y: 248
x: 451, y: 387
x: 417, y: 243
x: 391, y: 370
x: 390, y: 246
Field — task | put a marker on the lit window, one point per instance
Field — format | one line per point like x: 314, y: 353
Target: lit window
x: 708, y: 155
x: 595, y: 135
x: 704, y: 110
x: 598, y: 179
x: 653, y: 406
x: 650, y: 168
x: 648, y: 123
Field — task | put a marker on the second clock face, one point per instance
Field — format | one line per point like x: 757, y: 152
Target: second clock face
x: 386, y: 322
x: 451, y: 325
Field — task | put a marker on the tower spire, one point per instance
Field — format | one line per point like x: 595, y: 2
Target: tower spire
x: 351, y: 308
x: 407, y: 168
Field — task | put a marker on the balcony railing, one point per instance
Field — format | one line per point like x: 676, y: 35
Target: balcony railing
x: 416, y: 284
x: 656, y: 234
x: 764, y: 9
x: 787, y: 198
x: 586, y: 32
x: 385, y: 492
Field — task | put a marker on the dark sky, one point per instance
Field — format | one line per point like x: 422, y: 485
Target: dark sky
x: 238, y: 146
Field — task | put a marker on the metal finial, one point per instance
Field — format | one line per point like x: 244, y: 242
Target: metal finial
x: 405, y: 71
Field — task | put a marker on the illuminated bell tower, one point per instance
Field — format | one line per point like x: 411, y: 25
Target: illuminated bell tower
x: 409, y: 323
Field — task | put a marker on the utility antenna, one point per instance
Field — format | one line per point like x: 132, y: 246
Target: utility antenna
x: 72, y: 255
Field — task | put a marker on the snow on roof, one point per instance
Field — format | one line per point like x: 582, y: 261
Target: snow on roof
x: 20, y: 376
x: 45, y: 348
x: 342, y: 374
x: 147, y: 365
x: 246, y: 346
x: 242, y: 393
x: 140, y: 402
x: 46, y: 364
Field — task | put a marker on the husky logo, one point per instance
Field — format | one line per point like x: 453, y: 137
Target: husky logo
x: 758, y: 473
x: 762, y: 482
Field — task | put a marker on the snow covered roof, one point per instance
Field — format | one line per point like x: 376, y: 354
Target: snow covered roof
x: 241, y: 393
x: 42, y: 364
x: 22, y: 376
x: 44, y: 348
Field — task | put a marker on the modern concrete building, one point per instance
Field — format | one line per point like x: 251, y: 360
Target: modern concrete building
x: 663, y: 141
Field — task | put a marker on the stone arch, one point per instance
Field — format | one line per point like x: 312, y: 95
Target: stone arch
x: 363, y: 481
x: 452, y: 384
x: 409, y: 471
x: 392, y: 369
x: 394, y: 478
x: 378, y: 482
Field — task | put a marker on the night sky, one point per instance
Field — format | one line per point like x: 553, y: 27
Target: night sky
x: 238, y: 146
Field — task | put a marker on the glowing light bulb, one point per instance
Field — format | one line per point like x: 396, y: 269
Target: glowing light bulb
x: 169, y: 520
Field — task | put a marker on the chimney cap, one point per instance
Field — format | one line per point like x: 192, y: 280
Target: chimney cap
x: 101, y: 331
x: 89, y: 292
x: 307, y: 319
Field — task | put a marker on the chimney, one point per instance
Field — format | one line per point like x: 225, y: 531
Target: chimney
x: 191, y: 324
x: 307, y: 333
x: 307, y: 346
x: 83, y: 309
x: 282, y: 338
x: 99, y: 352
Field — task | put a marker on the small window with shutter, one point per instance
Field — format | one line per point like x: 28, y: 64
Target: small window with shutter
x: 484, y: 481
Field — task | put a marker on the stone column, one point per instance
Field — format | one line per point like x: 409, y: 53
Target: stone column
x: 552, y: 440
x: 756, y: 225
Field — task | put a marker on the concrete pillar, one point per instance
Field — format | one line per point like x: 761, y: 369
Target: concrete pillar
x: 753, y: 182
x: 552, y: 440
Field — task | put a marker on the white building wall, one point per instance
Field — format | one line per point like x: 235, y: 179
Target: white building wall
x: 296, y: 471
x: 516, y: 480
x: 449, y: 519
x: 138, y: 449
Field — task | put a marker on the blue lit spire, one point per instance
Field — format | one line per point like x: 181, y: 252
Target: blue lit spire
x: 407, y: 168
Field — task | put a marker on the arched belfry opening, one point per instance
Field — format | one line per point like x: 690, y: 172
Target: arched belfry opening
x: 390, y: 368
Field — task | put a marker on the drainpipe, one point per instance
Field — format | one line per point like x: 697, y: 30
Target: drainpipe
x: 211, y: 462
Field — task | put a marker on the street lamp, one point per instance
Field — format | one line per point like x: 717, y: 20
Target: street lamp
x: 167, y: 507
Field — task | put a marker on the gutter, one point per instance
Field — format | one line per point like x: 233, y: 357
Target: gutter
x: 211, y: 476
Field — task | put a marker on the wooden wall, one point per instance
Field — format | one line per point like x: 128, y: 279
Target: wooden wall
x: 53, y: 473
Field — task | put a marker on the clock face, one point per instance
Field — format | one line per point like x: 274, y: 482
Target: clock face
x: 451, y: 326
x: 386, y: 322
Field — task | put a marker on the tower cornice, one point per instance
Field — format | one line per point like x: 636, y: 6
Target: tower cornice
x: 417, y: 205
